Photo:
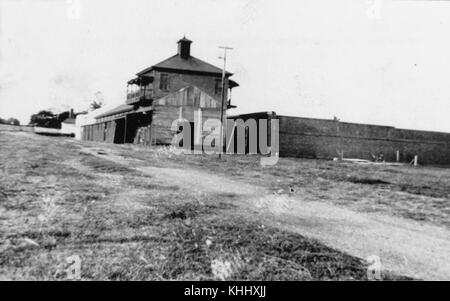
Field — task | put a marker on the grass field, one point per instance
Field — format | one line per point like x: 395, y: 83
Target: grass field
x: 421, y: 194
x: 57, y: 201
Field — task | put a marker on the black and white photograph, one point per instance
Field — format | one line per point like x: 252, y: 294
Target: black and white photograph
x: 224, y: 146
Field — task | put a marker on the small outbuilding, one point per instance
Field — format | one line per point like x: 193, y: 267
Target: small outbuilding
x: 68, y: 127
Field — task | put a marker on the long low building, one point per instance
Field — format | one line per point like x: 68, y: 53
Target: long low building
x: 152, y: 125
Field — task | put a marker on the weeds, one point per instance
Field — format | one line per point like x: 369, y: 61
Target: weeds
x: 125, y: 226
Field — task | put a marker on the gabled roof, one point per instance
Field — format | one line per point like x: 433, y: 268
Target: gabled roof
x: 192, y: 64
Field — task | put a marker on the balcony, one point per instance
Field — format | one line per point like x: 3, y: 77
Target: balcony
x: 139, y: 95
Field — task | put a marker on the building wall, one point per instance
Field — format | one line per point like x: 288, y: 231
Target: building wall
x: 318, y: 138
x: 182, y: 104
x: 68, y: 128
x: 238, y: 123
x: 101, y: 132
x: 178, y: 81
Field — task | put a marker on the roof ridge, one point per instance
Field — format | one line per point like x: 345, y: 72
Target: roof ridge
x: 192, y: 64
x: 205, y: 62
x: 151, y: 67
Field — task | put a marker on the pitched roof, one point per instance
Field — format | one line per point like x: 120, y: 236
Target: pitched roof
x: 184, y: 39
x: 69, y: 121
x: 191, y: 64
x: 124, y: 109
x: 116, y: 110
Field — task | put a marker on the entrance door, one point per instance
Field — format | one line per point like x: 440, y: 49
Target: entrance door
x: 119, y: 136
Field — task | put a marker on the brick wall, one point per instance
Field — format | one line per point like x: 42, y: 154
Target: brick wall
x: 178, y: 81
x: 319, y: 138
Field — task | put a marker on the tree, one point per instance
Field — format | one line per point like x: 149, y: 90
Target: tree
x: 45, y: 119
x: 97, y: 103
x: 63, y: 116
x: 48, y: 119
x: 13, y: 121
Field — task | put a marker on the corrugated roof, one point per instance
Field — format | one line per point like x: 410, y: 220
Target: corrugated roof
x: 144, y: 109
x: 191, y: 64
x: 117, y: 110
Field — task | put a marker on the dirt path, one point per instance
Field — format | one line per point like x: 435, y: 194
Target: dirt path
x: 405, y: 247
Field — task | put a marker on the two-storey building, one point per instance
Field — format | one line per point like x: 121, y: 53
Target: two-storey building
x: 172, y: 89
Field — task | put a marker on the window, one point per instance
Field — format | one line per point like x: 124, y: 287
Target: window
x: 218, y: 86
x: 164, y: 82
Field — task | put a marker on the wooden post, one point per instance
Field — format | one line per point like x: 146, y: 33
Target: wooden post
x: 125, y: 133
x: 398, y: 156
x: 223, y: 97
x: 416, y: 160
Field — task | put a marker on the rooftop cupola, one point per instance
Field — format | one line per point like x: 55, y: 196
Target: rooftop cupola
x: 184, y: 48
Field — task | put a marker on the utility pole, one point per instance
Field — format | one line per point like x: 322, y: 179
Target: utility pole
x: 224, y: 57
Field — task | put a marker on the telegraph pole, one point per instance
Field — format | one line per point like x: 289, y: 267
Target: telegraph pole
x: 224, y: 57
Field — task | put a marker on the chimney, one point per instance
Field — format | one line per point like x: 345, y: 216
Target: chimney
x: 184, y: 48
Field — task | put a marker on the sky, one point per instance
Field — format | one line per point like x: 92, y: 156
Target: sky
x: 378, y: 62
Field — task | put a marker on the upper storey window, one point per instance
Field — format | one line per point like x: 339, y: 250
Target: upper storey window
x: 218, y: 86
x: 164, y: 82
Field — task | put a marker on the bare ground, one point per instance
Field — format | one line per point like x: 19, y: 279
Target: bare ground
x: 250, y: 207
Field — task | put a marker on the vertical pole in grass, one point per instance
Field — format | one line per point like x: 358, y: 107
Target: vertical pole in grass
x: 225, y: 48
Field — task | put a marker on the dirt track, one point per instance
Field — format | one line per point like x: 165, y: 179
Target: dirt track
x: 405, y: 247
